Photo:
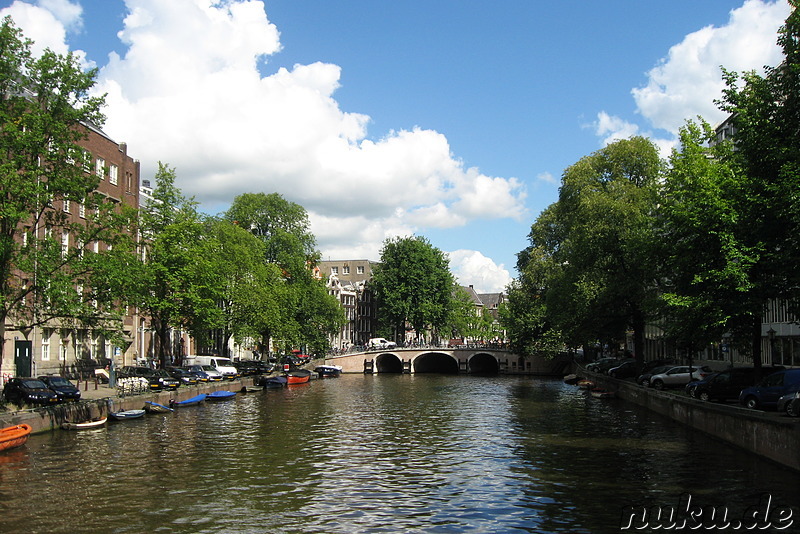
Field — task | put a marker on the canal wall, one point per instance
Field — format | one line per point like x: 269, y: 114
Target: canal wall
x: 767, y: 434
x: 99, y: 402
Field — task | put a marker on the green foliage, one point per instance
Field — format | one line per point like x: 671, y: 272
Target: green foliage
x: 45, y: 102
x: 413, y: 285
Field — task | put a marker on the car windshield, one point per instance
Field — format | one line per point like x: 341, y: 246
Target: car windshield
x: 34, y: 384
x: 208, y: 368
x: 59, y: 381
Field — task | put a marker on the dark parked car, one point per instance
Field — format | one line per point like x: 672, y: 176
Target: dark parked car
x: 29, y: 391
x: 790, y: 404
x: 770, y: 389
x: 644, y: 378
x: 64, y: 389
x: 158, y: 378
x: 182, y: 375
x: 725, y: 385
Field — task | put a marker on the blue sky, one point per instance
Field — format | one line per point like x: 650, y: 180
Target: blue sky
x: 448, y: 119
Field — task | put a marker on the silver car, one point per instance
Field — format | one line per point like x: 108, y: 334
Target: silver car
x: 679, y: 376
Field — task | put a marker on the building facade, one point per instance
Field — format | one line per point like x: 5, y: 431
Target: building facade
x: 53, y: 349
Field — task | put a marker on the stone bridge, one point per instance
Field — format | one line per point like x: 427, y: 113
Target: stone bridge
x: 448, y: 361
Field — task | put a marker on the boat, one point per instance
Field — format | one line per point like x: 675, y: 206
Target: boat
x: 197, y: 399
x: 14, y: 436
x: 86, y: 425
x: 585, y: 384
x: 328, y: 371
x: 273, y: 382
x: 571, y: 379
x: 126, y: 414
x: 252, y: 389
x: 298, y: 376
x: 154, y: 407
x: 602, y: 394
x: 221, y: 395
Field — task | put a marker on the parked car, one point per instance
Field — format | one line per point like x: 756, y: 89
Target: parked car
x: 29, y: 390
x: 679, y: 376
x: 627, y: 368
x: 597, y: 364
x: 771, y: 388
x: 644, y: 378
x: 63, y: 388
x: 725, y: 385
x: 206, y: 373
x: 790, y: 404
x: 157, y: 378
x: 381, y: 343
x: 184, y: 376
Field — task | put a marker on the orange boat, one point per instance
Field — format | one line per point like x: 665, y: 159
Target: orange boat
x: 298, y: 376
x: 14, y: 436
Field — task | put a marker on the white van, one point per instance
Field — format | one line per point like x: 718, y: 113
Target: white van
x: 222, y: 365
x: 381, y: 343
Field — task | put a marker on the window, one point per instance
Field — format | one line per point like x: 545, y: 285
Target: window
x: 113, y: 171
x: 66, y: 206
x: 87, y: 161
x: 334, y: 270
x: 64, y: 244
x: 346, y: 270
x: 45, y: 346
x: 100, y: 167
x: 360, y: 269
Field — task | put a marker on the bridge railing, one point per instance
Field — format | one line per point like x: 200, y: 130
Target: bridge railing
x: 356, y: 349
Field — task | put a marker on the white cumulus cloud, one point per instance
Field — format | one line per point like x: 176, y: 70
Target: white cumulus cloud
x: 470, y: 267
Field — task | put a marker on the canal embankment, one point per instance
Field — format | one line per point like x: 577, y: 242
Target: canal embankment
x: 768, y: 434
x: 98, y: 400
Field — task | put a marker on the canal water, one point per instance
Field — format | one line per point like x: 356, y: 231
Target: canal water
x: 388, y: 453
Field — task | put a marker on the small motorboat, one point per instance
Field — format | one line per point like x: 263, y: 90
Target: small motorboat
x: 86, y: 425
x: 197, y: 399
x: 126, y: 414
x: 585, y: 384
x: 252, y: 389
x: 220, y: 395
x: 14, y: 436
x: 273, y: 382
x: 598, y: 393
x: 154, y: 407
x: 298, y: 376
x: 328, y: 371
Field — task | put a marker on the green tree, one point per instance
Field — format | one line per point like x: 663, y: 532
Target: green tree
x: 307, y: 314
x: 44, y: 105
x: 594, y: 247
x: 413, y: 285
x: 177, y: 282
x: 765, y: 112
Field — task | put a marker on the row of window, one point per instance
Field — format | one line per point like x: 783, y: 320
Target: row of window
x: 346, y: 270
x: 96, y: 348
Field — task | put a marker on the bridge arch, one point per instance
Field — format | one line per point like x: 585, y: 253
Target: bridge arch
x: 435, y: 362
x: 388, y: 362
x: 483, y: 363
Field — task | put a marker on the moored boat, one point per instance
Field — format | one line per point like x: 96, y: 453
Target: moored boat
x: 126, y: 414
x: 298, y: 376
x: 585, y: 384
x: 602, y: 394
x: 86, y: 425
x: 571, y: 379
x: 220, y: 395
x: 154, y: 407
x: 328, y: 371
x: 14, y: 436
x: 197, y: 399
x: 273, y: 382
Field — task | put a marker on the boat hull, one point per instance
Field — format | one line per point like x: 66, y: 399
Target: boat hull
x: 126, y: 414
x: 88, y: 425
x: 154, y: 407
x: 197, y: 399
x: 220, y: 395
x: 14, y: 436
x: 300, y: 376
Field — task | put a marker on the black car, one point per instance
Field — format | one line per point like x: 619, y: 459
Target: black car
x: 29, y: 391
x: 64, y: 389
x: 157, y: 378
x: 184, y: 376
x: 726, y: 385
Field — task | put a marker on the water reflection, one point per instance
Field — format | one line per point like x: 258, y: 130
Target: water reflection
x: 378, y: 453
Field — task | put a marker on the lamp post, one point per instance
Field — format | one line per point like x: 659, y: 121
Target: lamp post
x: 771, y: 334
